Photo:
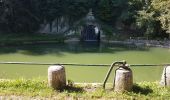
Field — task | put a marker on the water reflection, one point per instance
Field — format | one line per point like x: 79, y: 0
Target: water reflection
x: 71, y: 47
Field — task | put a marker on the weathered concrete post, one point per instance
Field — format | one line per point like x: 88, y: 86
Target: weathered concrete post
x: 123, y: 79
x: 165, y: 79
x: 56, y: 77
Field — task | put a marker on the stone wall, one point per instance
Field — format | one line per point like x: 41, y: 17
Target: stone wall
x: 57, y: 26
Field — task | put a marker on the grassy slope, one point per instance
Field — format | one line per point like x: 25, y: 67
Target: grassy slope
x: 39, y: 89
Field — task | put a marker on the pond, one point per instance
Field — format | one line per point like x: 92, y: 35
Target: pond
x: 85, y: 53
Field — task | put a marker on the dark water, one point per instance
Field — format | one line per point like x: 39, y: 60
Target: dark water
x: 72, y: 47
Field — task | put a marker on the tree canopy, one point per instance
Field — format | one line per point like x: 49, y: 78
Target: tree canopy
x: 27, y: 15
x: 150, y: 17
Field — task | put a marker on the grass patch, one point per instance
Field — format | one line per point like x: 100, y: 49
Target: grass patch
x: 35, y: 88
x: 25, y: 87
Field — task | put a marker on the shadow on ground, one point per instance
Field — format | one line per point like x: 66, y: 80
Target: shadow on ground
x: 72, y: 89
x: 136, y: 89
x: 142, y: 90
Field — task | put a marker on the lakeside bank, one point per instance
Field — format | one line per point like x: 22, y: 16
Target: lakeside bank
x: 38, y: 89
x: 149, y: 43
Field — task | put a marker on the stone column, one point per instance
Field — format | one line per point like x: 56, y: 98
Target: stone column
x: 123, y: 80
x: 56, y: 77
x: 165, y: 79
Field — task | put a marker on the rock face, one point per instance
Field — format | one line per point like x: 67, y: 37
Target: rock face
x: 56, y: 77
x: 123, y: 80
x: 57, y: 26
x: 64, y: 25
x: 165, y: 79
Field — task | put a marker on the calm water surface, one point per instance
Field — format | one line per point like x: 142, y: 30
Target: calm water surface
x: 85, y: 53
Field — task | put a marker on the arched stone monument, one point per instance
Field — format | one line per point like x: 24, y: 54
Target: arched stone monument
x: 90, y: 31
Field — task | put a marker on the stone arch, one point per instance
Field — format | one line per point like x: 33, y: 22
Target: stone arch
x: 91, y: 30
x: 90, y: 33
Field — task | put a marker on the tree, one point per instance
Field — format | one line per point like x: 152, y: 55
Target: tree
x: 146, y: 22
x: 18, y: 16
x: 27, y: 15
x: 163, y: 9
x: 148, y: 19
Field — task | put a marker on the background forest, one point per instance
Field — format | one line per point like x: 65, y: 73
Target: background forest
x: 150, y: 18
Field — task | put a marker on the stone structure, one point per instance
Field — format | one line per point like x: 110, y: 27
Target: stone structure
x: 123, y: 79
x: 56, y: 77
x: 58, y: 26
x: 165, y: 79
x: 88, y: 27
x: 90, y: 31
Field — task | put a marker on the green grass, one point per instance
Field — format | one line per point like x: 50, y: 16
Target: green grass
x: 25, y: 87
x: 54, y: 53
x: 39, y: 89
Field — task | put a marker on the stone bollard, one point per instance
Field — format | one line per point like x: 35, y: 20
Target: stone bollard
x: 165, y: 79
x: 56, y: 77
x: 123, y: 79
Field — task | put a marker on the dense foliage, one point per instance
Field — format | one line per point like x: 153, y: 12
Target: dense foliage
x: 154, y: 18
x: 162, y: 8
x: 27, y: 15
x: 149, y: 18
